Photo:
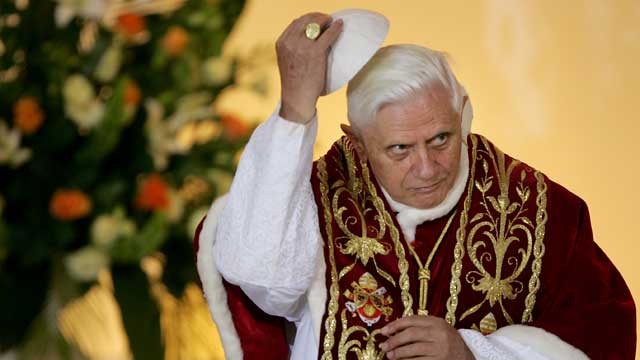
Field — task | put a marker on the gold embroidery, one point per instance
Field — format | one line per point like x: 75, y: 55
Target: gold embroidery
x: 370, y: 351
x: 364, y: 248
x: 334, y: 290
x: 497, y: 227
x: 538, y: 248
x: 361, y: 245
x: 501, y: 231
x: 458, y: 250
x: 424, y: 274
x: 403, y: 264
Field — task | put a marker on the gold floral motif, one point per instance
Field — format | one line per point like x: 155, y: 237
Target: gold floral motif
x: 363, y: 189
x: 403, y: 264
x: 358, y: 242
x: 501, y: 224
x: 364, y: 244
x: 363, y: 247
x: 362, y: 194
x: 370, y: 350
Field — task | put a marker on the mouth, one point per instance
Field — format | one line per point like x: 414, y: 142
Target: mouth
x: 426, y: 189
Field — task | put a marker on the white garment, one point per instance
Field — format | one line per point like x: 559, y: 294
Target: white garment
x: 268, y: 242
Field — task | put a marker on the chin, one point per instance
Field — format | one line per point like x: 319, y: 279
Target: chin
x: 425, y: 203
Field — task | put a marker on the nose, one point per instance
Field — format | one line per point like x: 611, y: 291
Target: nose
x: 424, y: 165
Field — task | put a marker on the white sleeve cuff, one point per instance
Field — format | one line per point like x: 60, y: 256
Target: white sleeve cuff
x: 519, y: 342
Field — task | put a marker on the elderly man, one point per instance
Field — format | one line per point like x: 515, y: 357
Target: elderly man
x: 411, y: 238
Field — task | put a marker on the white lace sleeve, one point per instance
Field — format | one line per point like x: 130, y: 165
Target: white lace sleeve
x: 268, y: 235
x: 517, y: 342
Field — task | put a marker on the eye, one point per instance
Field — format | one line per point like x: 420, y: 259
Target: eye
x: 398, y: 149
x: 440, y: 139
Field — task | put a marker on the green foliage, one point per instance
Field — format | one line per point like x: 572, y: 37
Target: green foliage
x: 149, y: 239
x: 117, y: 99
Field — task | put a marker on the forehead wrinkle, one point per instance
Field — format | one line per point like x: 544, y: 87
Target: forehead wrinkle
x: 403, y: 118
x: 425, y: 114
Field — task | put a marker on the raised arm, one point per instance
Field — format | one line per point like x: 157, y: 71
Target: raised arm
x: 267, y: 238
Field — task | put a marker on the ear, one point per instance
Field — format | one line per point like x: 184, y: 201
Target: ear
x: 355, y: 140
x: 466, y: 116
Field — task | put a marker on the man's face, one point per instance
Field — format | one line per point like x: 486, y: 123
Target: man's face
x: 413, y: 147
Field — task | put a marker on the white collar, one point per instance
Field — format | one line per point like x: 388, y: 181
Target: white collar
x: 409, y: 217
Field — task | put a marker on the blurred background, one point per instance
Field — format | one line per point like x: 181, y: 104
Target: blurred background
x: 120, y: 121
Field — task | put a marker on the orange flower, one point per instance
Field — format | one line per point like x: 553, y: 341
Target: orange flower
x: 132, y: 93
x: 234, y: 127
x: 175, y: 40
x: 153, y: 193
x: 27, y: 115
x: 68, y: 205
x: 131, y: 25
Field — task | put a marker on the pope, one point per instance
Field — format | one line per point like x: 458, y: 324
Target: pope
x: 412, y: 238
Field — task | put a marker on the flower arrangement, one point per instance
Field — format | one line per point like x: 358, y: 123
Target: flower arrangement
x: 110, y: 150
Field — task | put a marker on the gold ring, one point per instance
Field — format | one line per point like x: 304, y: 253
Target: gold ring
x: 312, y: 31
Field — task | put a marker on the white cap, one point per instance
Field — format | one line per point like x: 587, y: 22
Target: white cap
x: 363, y: 32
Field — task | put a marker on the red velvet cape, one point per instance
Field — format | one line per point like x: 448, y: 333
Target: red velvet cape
x: 577, y: 295
x: 519, y: 251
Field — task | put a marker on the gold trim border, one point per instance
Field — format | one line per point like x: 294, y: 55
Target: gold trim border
x: 334, y: 290
x: 538, y: 248
x: 458, y: 250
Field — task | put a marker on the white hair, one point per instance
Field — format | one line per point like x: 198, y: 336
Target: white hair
x: 395, y: 73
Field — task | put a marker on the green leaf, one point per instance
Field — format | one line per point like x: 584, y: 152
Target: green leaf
x: 148, y: 240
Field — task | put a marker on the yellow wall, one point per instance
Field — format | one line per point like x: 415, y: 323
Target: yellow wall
x: 554, y: 83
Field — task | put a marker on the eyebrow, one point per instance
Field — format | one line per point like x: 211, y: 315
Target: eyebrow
x: 395, y: 144
x: 445, y: 132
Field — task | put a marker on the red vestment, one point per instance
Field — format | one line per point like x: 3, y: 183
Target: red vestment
x: 518, y: 250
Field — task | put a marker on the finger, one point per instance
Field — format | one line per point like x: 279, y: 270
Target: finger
x: 412, y: 351
x: 405, y: 322
x: 329, y: 36
x: 319, y: 18
x: 407, y: 336
x: 296, y: 28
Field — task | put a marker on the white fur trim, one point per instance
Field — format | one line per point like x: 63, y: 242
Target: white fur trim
x: 543, y: 342
x: 409, y: 218
x: 212, y: 284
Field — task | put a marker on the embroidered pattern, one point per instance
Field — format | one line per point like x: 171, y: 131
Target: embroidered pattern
x: 334, y: 289
x: 498, y: 243
x: 370, y: 350
x: 368, y: 300
x: 501, y: 225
